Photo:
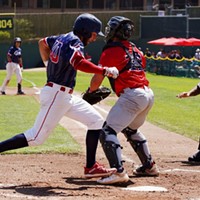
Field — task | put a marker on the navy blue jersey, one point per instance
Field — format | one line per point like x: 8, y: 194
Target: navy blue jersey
x: 64, y: 48
x: 15, y: 54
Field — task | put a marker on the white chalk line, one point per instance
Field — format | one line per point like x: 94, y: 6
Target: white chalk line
x: 33, y: 85
x: 31, y: 197
x: 181, y: 170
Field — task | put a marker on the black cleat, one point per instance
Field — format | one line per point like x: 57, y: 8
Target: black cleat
x: 3, y: 93
x: 20, y: 93
x: 195, y: 158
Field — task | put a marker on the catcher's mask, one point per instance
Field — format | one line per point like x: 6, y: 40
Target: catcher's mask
x: 120, y: 27
x: 85, y: 24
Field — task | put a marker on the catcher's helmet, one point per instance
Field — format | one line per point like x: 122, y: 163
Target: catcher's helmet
x: 87, y: 23
x: 120, y: 27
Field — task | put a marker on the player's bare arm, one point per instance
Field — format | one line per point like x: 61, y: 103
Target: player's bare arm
x: 20, y: 62
x: 9, y: 58
x: 95, y: 82
x: 44, y: 51
x: 195, y: 91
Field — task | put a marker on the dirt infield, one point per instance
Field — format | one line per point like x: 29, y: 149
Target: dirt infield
x: 60, y: 176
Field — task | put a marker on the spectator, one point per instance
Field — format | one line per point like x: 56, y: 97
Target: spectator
x: 197, y: 54
x: 147, y: 52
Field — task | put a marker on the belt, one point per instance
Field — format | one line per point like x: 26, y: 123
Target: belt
x: 61, y: 88
x: 142, y: 87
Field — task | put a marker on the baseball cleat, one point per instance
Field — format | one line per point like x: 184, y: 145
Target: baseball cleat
x: 195, y: 158
x: 114, y: 178
x: 144, y: 171
x: 20, y: 93
x: 98, y: 170
x: 3, y: 93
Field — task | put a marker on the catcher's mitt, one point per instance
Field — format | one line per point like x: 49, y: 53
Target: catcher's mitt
x: 97, y: 95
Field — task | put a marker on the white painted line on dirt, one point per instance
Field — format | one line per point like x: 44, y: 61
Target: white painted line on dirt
x: 181, y: 170
x: 33, y: 84
x: 6, y: 185
x: 20, y: 197
x: 146, y: 189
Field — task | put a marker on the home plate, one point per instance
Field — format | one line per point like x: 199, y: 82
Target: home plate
x: 147, y: 189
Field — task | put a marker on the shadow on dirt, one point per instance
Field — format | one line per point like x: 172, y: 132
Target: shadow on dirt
x: 91, y: 182
x: 42, y: 191
x: 73, y: 185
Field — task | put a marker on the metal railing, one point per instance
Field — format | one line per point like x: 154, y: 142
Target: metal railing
x: 184, y: 67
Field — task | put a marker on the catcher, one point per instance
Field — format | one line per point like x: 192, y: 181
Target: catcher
x: 193, y: 92
x: 134, y: 102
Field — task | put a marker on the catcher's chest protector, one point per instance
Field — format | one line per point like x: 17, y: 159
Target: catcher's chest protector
x: 135, y: 61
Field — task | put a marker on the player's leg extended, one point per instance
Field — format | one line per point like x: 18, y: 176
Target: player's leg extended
x: 52, y: 109
x: 54, y: 105
x: 9, y: 71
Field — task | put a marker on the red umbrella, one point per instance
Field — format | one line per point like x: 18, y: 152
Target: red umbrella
x: 160, y: 41
x: 189, y: 42
x: 176, y: 41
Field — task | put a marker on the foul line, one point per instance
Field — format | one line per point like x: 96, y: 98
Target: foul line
x: 33, y: 85
x: 181, y: 170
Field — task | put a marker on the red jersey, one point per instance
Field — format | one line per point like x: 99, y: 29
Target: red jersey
x: 131, y: 77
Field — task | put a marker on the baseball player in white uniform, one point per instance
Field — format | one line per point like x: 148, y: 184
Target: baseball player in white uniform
x: 14, y: 65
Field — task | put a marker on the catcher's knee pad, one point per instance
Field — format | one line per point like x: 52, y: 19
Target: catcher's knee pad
x: 138, y: 143
x: 111, y: 146
x: 131, y: 134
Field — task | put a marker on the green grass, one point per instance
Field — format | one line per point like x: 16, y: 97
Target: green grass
x: 177, y: 115
x: 18, y: 113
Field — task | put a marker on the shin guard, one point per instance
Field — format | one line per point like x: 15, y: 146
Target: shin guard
x: 139, y: 146
x: 111, y: 147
